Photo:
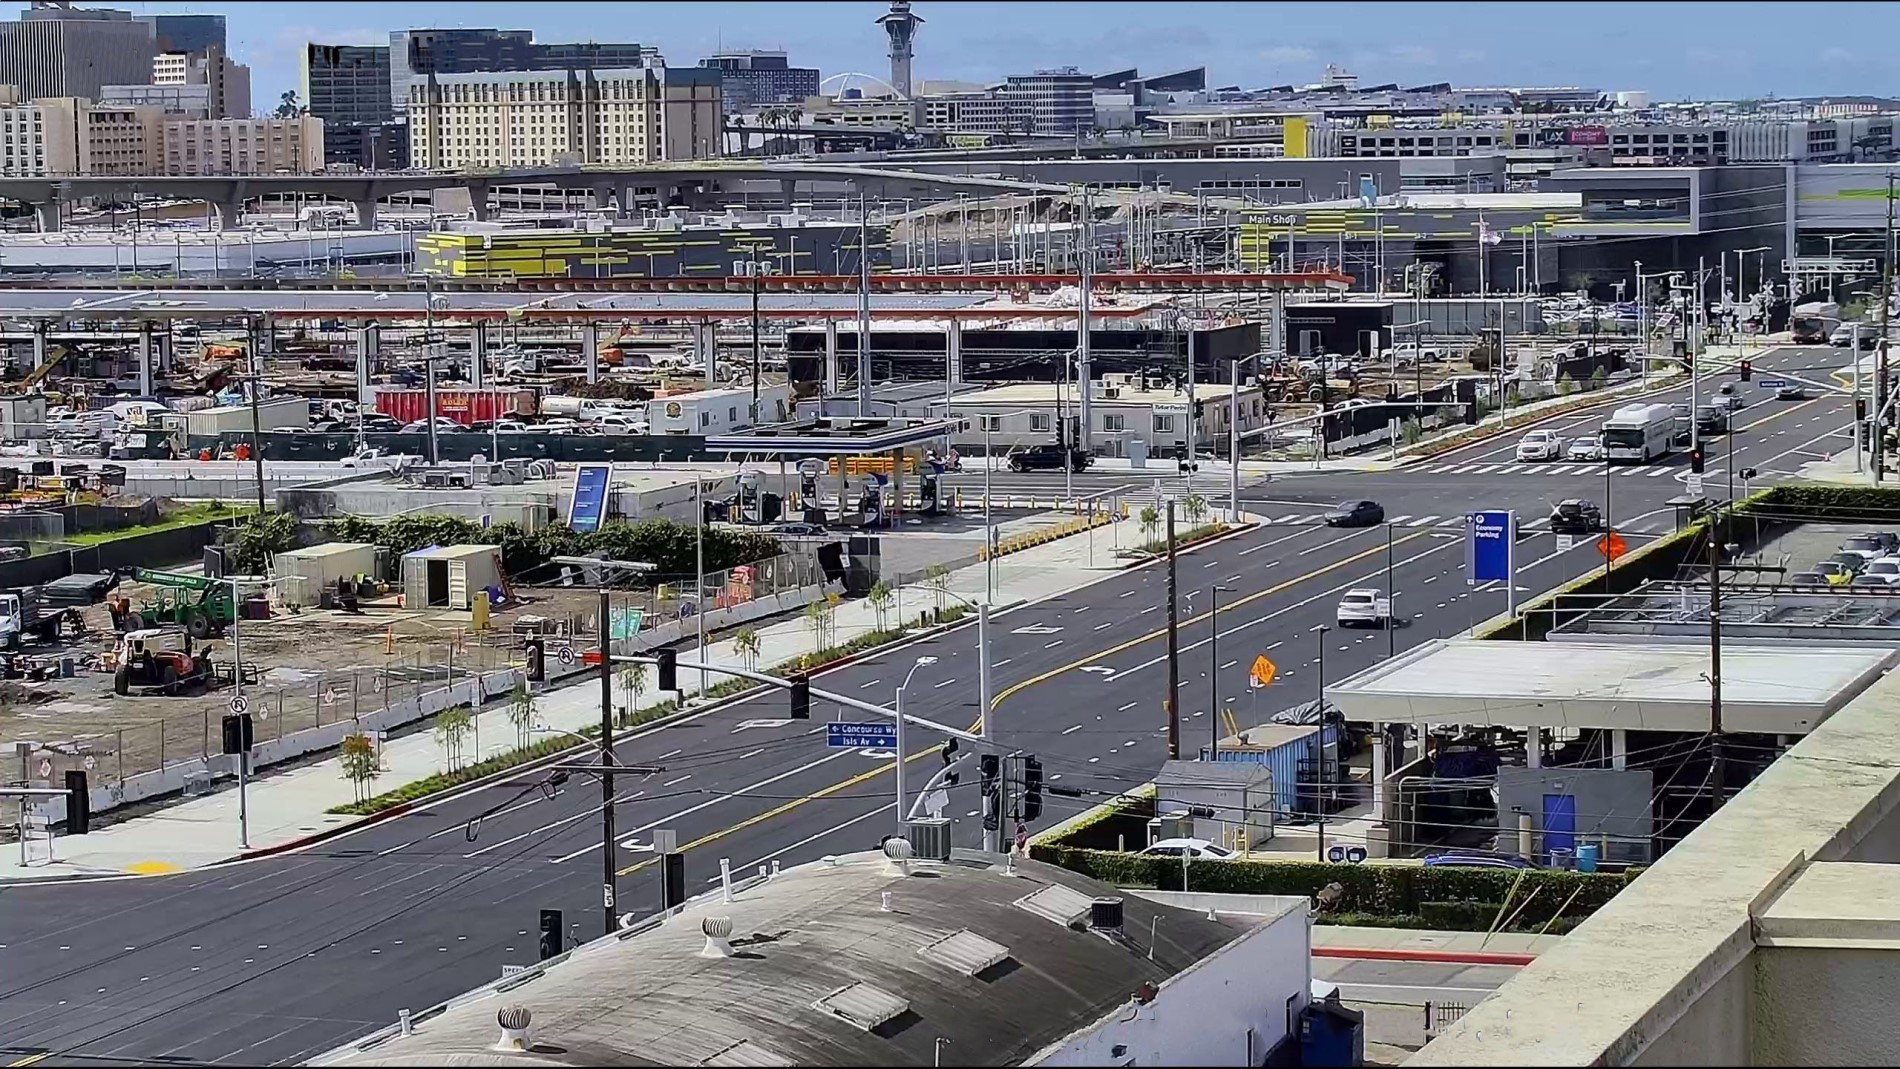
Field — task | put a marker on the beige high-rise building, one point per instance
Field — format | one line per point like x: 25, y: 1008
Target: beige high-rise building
x: 621, y: 115
x: 242, y: 146
x: 229, y: 82
x: 73, y: 136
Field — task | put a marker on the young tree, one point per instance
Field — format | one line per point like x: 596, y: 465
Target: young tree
x: 1597, y: 378
x: 937, y: 578
x: 521, y: 711
x: 633, y: 683
x: 745, y: 643
x: 1151, y: 522
x: 880, y: 599
x: 360, y: 763
x: 452, y: 726
x: 818, y: 617
x: 1194, y: 507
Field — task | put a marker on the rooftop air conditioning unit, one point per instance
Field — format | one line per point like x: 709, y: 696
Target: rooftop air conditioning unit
x: 930, y: 838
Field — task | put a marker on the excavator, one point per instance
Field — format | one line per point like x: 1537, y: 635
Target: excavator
x: 55, y: 354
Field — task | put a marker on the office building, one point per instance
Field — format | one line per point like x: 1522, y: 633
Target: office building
x: 345, y: 85
x: 1052, y: 103
x: 59, y: 51
x: 174, y: 101
x: 752, y: 78
x: 369, y: 146
x: 419, y: 53
x: 229, y: 83
x: 186, y: 33
x: 242, y: 146
x: 535, y: 118
x: 70, y: 135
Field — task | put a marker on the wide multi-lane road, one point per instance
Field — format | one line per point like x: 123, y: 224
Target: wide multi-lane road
x: 271, y: 960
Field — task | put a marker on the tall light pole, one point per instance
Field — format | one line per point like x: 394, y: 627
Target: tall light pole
x: 898, y: 708
x: 755, y: 269
x: 1213, y: 670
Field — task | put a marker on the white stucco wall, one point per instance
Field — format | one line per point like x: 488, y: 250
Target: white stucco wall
x: 1205, y: 1015
x: 1825, y: 1006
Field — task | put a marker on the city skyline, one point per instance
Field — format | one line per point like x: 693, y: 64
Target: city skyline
x: 1618, y: 46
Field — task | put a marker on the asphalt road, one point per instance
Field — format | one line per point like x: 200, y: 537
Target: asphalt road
x: 274, y: 960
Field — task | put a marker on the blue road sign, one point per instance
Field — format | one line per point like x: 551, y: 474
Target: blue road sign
x: 1488, y: 546
x: 589, y: 507
x: 879, y: 734
x: 1772, y: 384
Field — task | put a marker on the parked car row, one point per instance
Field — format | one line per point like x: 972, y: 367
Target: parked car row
x: 1863, y: 560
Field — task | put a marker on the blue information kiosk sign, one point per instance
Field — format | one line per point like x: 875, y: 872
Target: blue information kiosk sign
x: 1491, y: 551
x: 589, y: 508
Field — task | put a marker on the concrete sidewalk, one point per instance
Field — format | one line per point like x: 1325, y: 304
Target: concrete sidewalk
x: 288, y: 807
x: 1423, y: 944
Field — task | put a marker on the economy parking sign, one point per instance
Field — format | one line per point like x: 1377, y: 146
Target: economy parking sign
x: 1488, y: 547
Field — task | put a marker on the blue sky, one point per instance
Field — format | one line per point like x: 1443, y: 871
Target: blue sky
x: 1674, y: 50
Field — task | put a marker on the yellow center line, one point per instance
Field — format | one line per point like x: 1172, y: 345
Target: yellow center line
x: 32, y: 1059
x: 864, y: 777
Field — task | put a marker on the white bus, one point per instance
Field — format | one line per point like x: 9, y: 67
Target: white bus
x: 1638, y: 434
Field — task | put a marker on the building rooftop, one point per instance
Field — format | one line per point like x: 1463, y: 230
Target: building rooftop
x: 1651, y: 685
x: 821, y: 973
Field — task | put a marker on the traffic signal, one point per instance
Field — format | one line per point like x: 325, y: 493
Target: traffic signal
x: 949, y: 751
x: 1860, y: 410
x: 78, y: 803
x: 669, y: 668
x: 237, y: 733
x: 988, y: 768
x: 801, y: 698
x: 1695, y: 460
x: 1032, y: 788
x: 1748, y: 372
x: 537, y: 660
x: 550, y: 933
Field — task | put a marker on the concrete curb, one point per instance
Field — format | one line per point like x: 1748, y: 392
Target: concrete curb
x: 1447, y: 957
x: 1237, y: 529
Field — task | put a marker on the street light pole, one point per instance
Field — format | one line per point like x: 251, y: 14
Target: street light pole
x: 992, y: 837
x: 898, y: 709
x: 608, y: 878
x: 1213, y: 671
x: 237, y: 680
x: 699, y: 570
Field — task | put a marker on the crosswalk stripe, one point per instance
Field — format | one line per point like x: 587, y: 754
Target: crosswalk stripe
x: 1631, y: 473
x: 1422, y: 521
x: 1659, y: 471
x: 1468, y: 469
x: 1489, y: 468
x: 1535, y: 469
x: 1535, y: 524
x: 1398, y: 519
x: 1314, y: 518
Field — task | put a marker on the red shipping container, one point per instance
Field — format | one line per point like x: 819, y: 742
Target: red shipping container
x: 462, y: 406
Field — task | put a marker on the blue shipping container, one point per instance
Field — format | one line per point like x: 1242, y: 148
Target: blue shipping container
x: 1284, y: 760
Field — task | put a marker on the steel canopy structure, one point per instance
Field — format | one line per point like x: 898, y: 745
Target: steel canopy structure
x: 1651, y: 685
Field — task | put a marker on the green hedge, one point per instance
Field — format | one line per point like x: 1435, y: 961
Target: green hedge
x: 1829, y: 504
x: 1372, y: 890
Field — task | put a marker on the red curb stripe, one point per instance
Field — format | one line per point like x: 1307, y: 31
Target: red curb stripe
x: 1454, y: 957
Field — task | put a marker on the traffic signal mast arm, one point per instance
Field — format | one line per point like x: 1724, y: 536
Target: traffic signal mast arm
x: 841, y: 699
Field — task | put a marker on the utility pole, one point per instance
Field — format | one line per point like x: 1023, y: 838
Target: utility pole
x: 864, y: 307
x: 1880, y: 363
x: 1173, y: 701
x: 1718, y: 768
x: 754, y: 267
x: 607, y: 878
x: 257, y: 437
x: 428, y: 359
x: 1084, y: 320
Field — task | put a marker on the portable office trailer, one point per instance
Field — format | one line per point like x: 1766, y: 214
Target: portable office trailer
x: 718, y: 411
x: 303, y: 574
x: 1224, y: 801
x: 274, y: 414
x: 449, y: 577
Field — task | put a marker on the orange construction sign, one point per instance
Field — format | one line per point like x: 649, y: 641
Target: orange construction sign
x: 1262, y: 671
x: 1612, y: 546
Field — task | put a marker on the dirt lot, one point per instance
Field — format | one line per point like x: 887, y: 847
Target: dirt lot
x: 311, y: 668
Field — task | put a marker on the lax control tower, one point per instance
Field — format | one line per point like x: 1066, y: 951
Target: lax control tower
x: 901, y: 25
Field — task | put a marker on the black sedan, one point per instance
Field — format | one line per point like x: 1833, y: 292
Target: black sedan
x: 1576, y: 516
x: 1356, y: 514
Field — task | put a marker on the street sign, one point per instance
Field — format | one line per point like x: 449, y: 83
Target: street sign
x: 336, y: 694
x: 564, y: 654
x: 46, y: 768
x: 857, y: 736
x: 1488, y: 546
x: 239, y: 705
x: 1566, y: 543
x: 1262, y: 671
x: 1772, y: 384
x: 90, y: 762
x: 1612, y: 546
x: 1694, y: 485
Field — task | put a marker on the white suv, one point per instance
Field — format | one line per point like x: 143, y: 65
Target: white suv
x: 1364, y: 605
x: 1540, y: 445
